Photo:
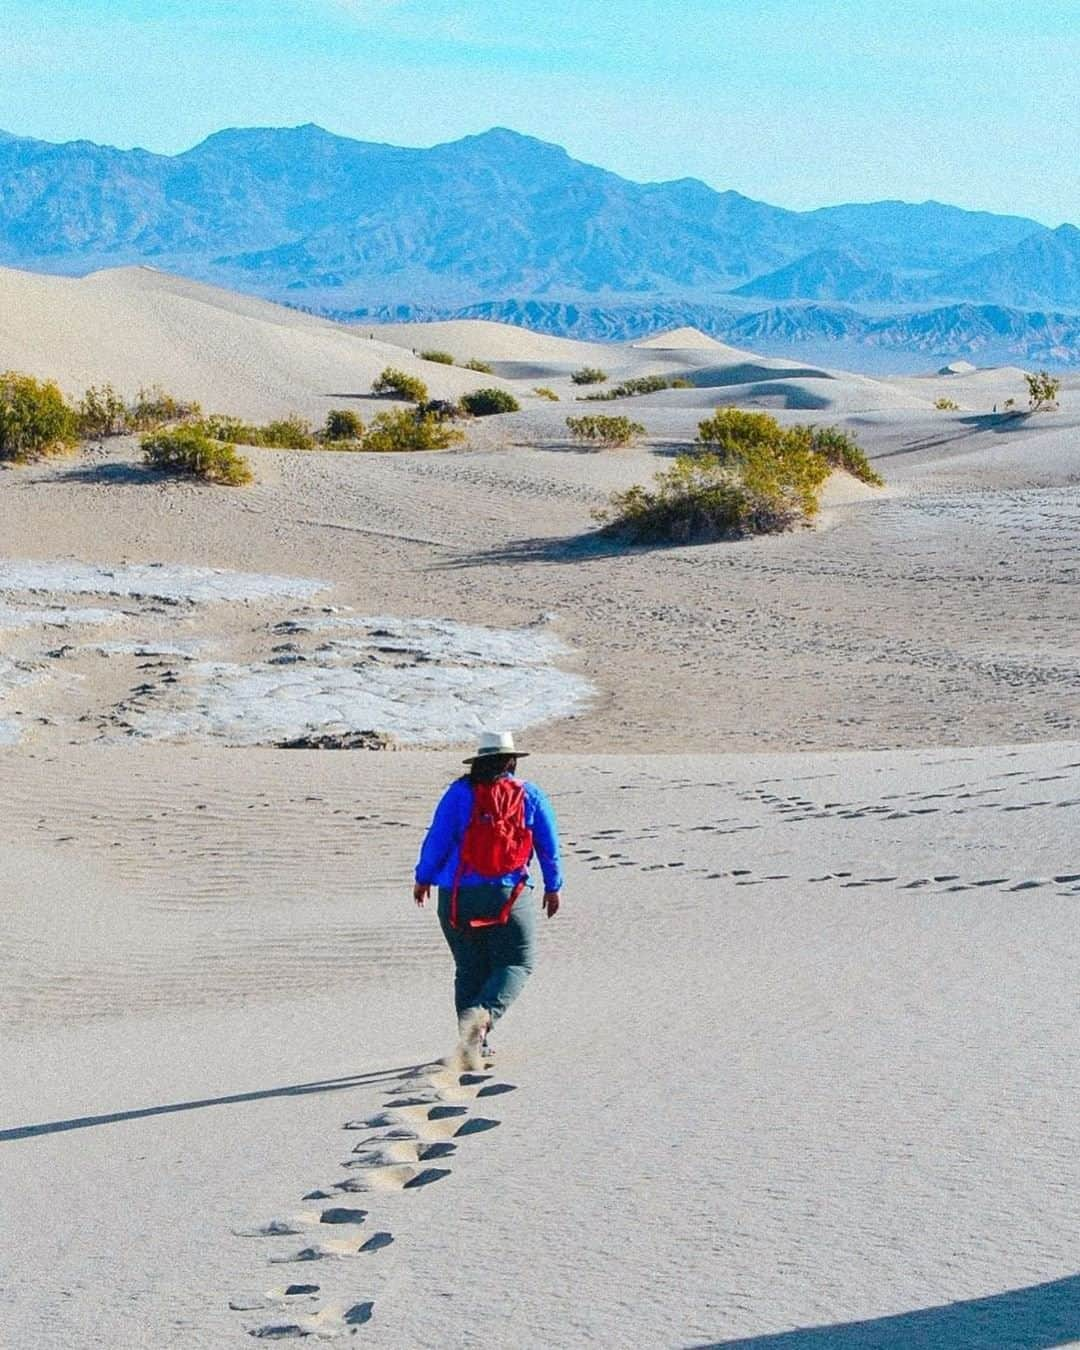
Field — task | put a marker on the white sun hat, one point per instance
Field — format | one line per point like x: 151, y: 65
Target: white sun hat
x: 495, y: 743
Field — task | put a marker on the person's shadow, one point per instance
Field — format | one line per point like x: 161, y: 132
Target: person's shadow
x: 139, y: 1113
x: 1039, y: 1316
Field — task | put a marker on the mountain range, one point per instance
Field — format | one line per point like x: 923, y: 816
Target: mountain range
x: 501, y: 222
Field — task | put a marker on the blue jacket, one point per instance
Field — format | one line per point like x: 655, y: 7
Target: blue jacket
x: 440, y: 851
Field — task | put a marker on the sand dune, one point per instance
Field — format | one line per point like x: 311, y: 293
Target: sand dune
x: 135, y: 326
x: 858, y: 1046
x: 681, y: 340
x: 796, y: 1065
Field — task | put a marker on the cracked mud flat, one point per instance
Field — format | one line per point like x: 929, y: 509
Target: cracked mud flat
x: 306, y: 673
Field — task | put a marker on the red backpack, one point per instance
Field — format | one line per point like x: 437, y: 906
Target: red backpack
x: 496, y: 841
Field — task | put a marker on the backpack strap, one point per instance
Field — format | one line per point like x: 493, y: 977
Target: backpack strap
x: 503, y: 915
x: 473, y: 812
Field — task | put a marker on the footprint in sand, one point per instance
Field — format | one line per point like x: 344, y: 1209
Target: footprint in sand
x: 393, y: 1177
x: 377, y: 1153
x: 324, y: 1325
x: 300, y: 1222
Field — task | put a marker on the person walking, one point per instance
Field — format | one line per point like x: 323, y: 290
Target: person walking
x: 485, y: 831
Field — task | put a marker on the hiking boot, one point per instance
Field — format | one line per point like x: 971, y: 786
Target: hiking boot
x: 473, y: 1026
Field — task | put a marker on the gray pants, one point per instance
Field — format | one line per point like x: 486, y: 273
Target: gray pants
x: 492, y: 964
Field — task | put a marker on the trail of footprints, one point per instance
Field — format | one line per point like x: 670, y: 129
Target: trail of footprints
x: 1066, y: 883
x: 402, y: 1148
x: 603, y: 850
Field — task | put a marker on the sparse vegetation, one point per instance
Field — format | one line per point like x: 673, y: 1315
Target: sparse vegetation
x: 342, y: 425
x: 287, y: 433
x: 222, y: 427
x: 706, y: 496
x: 946, y: 405
x: 102, y: 412
x: 189, y: 450
x: 642, y: 384
x: 589, y: 375
x: 399, y: 384
x: 481, y: 367
x: 604, y: 431
x: 841, y: 450
x: 542, y: 391
x: 444, y: 410
x: 154, y: 407
x: 751, y: 476
x: 1043, y: 390
x: 730, y: 432
x: 443, y: 358
x: 486, y: 402
x: 404, y: 430
x: 35, y: 421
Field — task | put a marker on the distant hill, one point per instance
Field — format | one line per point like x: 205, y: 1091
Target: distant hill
x: 992, y: 333
x: 1043, y: 269
x: 500, y: 221
x: 828, y: 274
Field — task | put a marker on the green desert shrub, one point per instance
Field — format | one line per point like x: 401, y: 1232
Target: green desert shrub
x: 604, y: 431
x: 481, y: 367
x: 589, y: 375
x: 286, y: 433
x: 102, y: 412
x: 708, y: 496
x: 405, y: 430
x: 189, y: 450
x: 442, y: 409
x: 946, y: 405
x: 730, y: 432
x: 842, y: 451
x: 224, y: 427
x: 1043, y: 390
x: 542, y: 391
x: 680, y: 383
x: 750, y: 475
x: 154, y: 407
x: 399, y: 384
x: 642, y: 384
x: 486, y: 402
x: 342, y: 424
x: 35, y: 421
x: 443, y: 358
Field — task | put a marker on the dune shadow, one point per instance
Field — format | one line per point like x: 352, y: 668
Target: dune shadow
x: 1016, y: 420
x: 1038, y: 1316
x: 170, y: 1108
x: 750, y: 372
x: 1000, y: 424
x: 111, y: 472
x: 575, y: 548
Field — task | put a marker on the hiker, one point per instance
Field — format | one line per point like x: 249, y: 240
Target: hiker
x: 477, y: 850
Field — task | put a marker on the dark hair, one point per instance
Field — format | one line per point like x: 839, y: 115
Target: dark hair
x: 489, y: 767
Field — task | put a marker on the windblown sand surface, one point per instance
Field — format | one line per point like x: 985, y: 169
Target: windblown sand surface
x: 801, y: 1049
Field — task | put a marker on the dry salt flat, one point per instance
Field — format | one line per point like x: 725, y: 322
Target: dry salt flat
x: 797, y: 1068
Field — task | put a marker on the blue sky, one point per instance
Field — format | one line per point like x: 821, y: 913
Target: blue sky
x: 798, y: 102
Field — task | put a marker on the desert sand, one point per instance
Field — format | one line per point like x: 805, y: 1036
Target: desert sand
x: 798, y: 1064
